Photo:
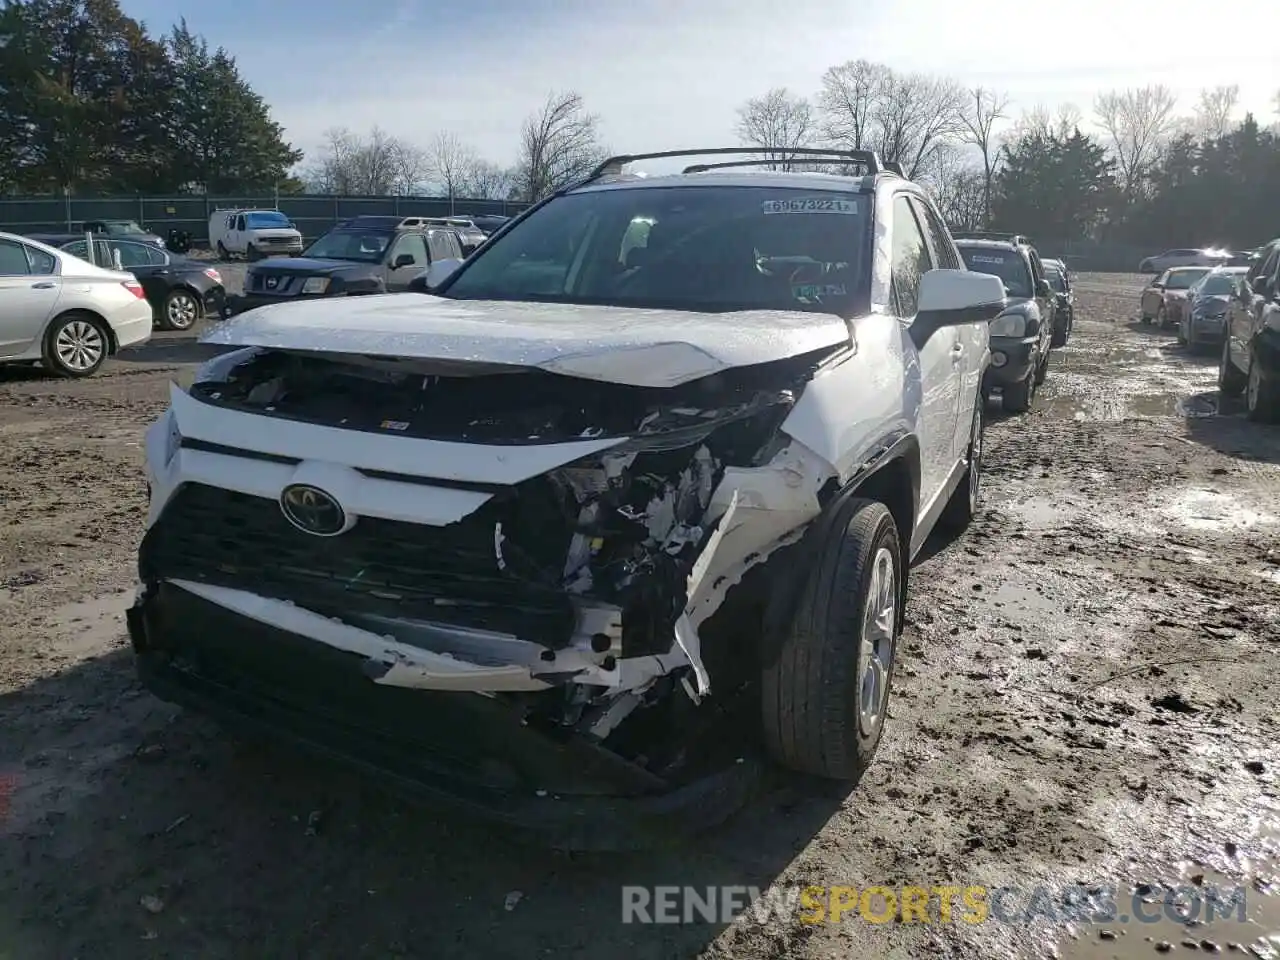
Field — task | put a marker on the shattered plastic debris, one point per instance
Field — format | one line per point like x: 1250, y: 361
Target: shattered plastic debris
x: 498, y: 539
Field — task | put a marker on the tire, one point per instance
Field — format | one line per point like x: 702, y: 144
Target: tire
x: 812, y: 693
x: 1231, y: 382
x: 1060, y: 337
x: 222, y: 252
x: 180, y: 311
x: 1042, y: 369
x: 1017, y: 399
x: 251, y: 254
x: 1162, y: 317
x: 963, y: 505
x: 76, y: 345
x: 1262, y: 393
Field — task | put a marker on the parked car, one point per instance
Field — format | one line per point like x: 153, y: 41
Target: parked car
x: 1250, y: 361
x: 1204, y: 319
x: 1163, y: 298
x: 1022, y: 336
x: 1184, y: 257
x: 653, y: 510
x: 1064, y: 311
x: 469, y: 235
x: 60, y: 311
x: 180, y: 290
x: 122, y: 230
x: 253, y: 234
x: 487, y: 223
x: 358, y: 257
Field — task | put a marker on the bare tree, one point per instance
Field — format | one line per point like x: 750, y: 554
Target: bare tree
x: 488, y: 181
x: 777, y: 123
x: 1038, y: 121
x: 958, y: 187
x: 452, y: 164
x: 984, y: 109
x: 1213, y: 110
x: 848, y: 101
x: 917, y: 114
x: 559, y: 144
x: 903, y: 117
x: 1138, y: 122
x: 374, y: 166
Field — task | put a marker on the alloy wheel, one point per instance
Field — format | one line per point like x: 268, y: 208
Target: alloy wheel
x: 875, y: 649
x: 181, y: 310
x: 79, y: 346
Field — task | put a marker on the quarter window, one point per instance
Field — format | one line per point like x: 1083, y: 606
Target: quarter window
x: 944, y: 254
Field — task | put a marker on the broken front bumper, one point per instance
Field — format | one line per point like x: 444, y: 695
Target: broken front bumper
x: 473, y: 753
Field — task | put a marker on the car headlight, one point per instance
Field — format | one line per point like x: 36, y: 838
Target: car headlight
x: 315, y: 285
x: 1009, y: 325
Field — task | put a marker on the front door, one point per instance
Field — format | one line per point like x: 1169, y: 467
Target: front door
x: 939, y: 356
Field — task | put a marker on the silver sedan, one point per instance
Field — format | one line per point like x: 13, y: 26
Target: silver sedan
x: 64, y: 312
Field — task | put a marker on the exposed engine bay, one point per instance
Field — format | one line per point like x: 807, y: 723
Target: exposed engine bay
x: 602, y: 583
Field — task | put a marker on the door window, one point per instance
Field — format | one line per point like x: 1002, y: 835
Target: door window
x: 413, y: 244
x: 137, y: 255
x: 909, y: 260
x: 13, y: 259
x: 944, y: 254
x: 239, y: 223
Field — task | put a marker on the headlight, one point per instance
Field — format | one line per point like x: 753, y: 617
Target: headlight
x: 315, y: 285
x: 1009, y: 325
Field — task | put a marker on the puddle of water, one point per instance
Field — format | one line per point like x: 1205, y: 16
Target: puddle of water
x: 1199, y: 509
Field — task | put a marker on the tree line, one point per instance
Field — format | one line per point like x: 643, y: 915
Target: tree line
x: 1149, y: 175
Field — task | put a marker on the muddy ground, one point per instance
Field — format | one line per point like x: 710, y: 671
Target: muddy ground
x: 1087, y: 698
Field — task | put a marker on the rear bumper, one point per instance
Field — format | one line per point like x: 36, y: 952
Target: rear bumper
x: 133, y: 325
x: 473, y: 754
x: 1012, y: 359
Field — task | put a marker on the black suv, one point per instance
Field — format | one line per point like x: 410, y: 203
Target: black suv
x: 1022, y: 336
x: 364, y: 255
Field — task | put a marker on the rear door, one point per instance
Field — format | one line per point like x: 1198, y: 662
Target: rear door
x: 29, y: 291
x: 149, y: 264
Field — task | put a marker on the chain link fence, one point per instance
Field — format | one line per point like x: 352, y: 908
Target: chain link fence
x: 314, y: 214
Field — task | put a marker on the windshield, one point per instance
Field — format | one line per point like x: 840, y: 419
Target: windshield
x: 362, y: 246
x: 1183, y: 279
x: 1217, y: 285
x: 1005, y: 264
x: 123, y: 226
x: 266, y: 219
x: 706, y: 248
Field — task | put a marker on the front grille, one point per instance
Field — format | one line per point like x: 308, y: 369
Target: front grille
x: 283, y: 285
x: 446, y: 574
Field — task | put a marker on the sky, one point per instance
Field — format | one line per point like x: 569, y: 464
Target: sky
x: 664, y: 74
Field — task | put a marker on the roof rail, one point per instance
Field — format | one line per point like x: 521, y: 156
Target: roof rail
x: 704, y: 167
x: 1014, y: 238
x: 613, y: 166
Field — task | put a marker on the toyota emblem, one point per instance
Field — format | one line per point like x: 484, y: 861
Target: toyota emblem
x: 312, y: 510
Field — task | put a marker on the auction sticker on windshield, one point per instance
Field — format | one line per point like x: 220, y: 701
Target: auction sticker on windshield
x: 810, y: 205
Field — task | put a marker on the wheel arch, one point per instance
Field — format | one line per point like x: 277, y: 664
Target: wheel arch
x: 112, y: 343
x: 890, y: 476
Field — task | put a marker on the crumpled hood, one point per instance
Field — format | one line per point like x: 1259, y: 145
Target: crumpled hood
x: 638, y: 347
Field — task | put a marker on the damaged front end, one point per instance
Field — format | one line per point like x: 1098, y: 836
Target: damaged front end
x: 568, y: 634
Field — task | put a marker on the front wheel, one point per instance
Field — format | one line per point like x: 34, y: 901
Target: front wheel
x: 181, y: 310
x: 1262, y: 392
x: 825, y: 694
x: 1017, y: 397
x: 251, y: 254
x: 1162, y: 317
x: 1231, y: 382
x: 76, y: 345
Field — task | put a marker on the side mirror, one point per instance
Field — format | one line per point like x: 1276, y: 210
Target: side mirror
x: 404, y: 260
x: 1157, y: 285
x: 953, y: 297
x: 439, y: 272
x: 1043, y: 289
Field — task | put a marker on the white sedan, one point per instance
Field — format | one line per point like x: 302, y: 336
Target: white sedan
x: 63, y: 311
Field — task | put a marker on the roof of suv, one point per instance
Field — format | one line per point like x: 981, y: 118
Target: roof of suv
x: 737, y: 178
x: 989, y: 244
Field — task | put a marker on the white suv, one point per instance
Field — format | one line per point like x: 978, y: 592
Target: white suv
x: 633, y: 489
